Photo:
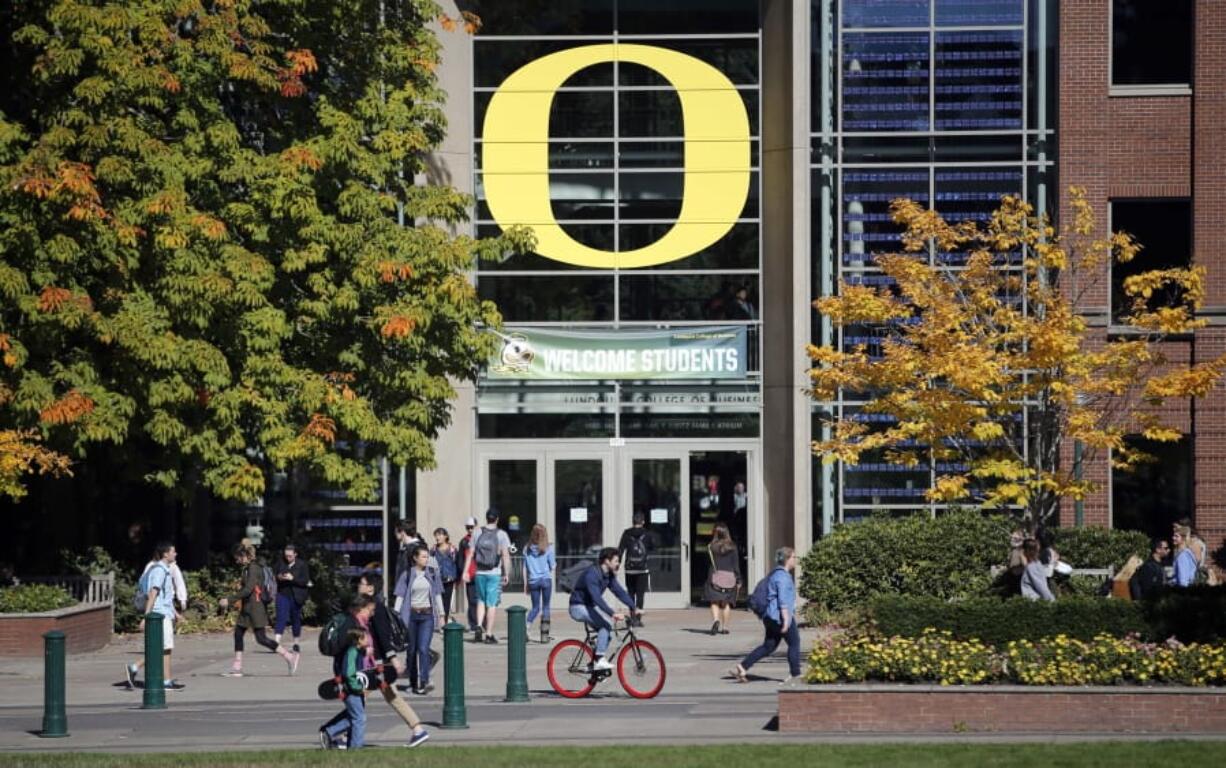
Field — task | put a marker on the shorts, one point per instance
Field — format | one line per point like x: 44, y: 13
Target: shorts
x: 168, y: 633
x: 489, y: 588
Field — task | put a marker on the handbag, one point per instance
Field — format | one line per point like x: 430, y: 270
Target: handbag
x: 723, y: 580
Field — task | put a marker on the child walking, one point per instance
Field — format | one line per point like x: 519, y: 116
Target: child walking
x: 351, y: 721
x: 539, y: 564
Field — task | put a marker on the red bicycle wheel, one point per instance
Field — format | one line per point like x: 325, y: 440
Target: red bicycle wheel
x: 569, y: 668
x: 640, y: 667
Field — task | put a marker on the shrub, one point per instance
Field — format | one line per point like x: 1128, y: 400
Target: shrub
x: 96, y: 561
x: 1195, y: 614
x: 946, y: 557
x: 938, y: 657
x: 1094, y: 547
x: 998, y: 622
x: 34, y: 598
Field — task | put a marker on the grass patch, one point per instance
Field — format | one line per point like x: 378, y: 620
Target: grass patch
x: 1085, y: 755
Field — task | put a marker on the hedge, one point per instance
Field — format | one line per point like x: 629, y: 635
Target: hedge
x: 1192, y: 616
x: 947, y: 557
x: 34, y: 598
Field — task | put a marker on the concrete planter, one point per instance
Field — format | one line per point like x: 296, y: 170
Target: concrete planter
x: 933, y: 709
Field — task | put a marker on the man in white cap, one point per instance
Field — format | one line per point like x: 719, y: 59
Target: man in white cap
x: 470, y: 586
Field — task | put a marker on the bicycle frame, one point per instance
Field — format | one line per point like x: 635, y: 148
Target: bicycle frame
x: 622, y: 632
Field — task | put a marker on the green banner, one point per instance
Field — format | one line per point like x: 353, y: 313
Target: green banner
x: 715, y: 352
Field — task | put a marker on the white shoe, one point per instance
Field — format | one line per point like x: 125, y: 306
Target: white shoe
x: 602, y: 665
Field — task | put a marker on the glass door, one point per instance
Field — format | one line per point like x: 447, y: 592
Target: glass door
x: 656, y: 494
x: 719, y: 494
x: 578, y: 501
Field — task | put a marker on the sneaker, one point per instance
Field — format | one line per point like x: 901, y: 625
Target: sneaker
x: 130, y: 672
x: 418, y: 738
x: 602, y: 665
x: 723, y: 630
x: 491, y: 640
x: 427, y: 687
x: 173, y: 685
x: 715, y: 628
x: 292, y: 662
x: 325, y: 741
x: 419, y: 691
x: 479, y: 635
x: 233, y: 673
x: 739, y: 673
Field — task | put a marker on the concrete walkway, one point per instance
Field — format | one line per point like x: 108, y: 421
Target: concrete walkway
x: 268, y: 708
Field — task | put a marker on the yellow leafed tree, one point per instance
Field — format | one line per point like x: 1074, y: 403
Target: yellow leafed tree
x: 988, y: 372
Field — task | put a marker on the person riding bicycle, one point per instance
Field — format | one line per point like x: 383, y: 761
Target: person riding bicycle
x: 587, y: 603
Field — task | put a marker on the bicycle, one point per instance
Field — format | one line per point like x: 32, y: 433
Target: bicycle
x: 640, y: 665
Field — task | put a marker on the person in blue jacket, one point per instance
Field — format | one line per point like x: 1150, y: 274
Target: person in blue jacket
x: 779, y: 621
x: 587, y: 603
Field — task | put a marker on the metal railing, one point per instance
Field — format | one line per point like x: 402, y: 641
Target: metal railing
x: 86, y: 590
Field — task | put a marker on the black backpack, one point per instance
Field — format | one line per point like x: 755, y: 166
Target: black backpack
x: 335, y: 634
x: 636, y: 552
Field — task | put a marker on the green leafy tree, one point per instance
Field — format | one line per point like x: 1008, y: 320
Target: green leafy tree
x: 213, y: 236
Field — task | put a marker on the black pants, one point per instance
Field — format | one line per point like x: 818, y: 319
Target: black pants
x: 448, y: 589
x: 260, y: 637
x: 470, y: 593
x: 636, y: 585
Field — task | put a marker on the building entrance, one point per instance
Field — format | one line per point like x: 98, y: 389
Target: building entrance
x: 586, y: 495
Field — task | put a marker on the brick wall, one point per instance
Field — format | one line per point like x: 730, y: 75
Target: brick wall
x: 85, y: 629
x: 1154, y: 146
x: 1005, y: 709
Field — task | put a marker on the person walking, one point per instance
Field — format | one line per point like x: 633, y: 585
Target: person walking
x: 634, y: 549
x: 447, y: 557
x: 350, y: 723
x: 778, y: 620
x: 164, y: 556
x: 252, y: 613
x: 468, y: 572
x: 1150, y: 578
x: 382, y: 624
x: 1034, y: 577
x: 724, y: 578
x: 406, y: 538
x: 419, y: 599
x: 491, y: 554
x: 293, y: 580
x: 539, y: 565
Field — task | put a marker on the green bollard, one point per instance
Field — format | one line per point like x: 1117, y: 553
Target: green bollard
x: 517, y: 651
x: 455, y: 713
x: 155, y: 690
x: 55, y: 719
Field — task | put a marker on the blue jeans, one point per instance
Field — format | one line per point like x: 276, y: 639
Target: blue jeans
x: 771, y: 642
x: 352, y: 720
x: 596, y: 619
x: 421, y: 629
x: 288, y: 611
x: 542, y: 595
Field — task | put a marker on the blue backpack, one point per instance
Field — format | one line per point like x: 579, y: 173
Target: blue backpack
x: 759, y: 599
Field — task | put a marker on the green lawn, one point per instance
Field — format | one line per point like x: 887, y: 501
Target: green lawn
x: 1088, y: 755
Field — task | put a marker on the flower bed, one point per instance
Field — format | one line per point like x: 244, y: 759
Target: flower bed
x: 937, y: 657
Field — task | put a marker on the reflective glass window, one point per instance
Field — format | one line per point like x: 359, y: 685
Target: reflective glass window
x: 885, y: 13
x: 867, y: 227
x: 978, y: 80
x: 543, y: 17
x: 1151, y: 42
x: 1163, y: 228
x: 736, y: 58
x: 493, y: 426
x: 736, y: 250
x: 885, y: 81
x: 573, y: 298
x: 686, y: 17
x: 494, y: 60
x: 689, y: 297
x: 594, y: 235
x: 978, y: 13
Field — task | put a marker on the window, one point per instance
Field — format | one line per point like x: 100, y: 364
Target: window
x: 1157, y: 493
x: 1151, y: 42
x: 1163, y: 227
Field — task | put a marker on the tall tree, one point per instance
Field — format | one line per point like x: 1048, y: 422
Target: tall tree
x: 212, y: 237
x: 985, y: 375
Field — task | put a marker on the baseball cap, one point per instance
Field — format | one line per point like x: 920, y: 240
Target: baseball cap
x: 471, y: 522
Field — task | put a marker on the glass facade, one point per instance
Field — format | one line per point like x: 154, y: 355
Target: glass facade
x: 616, y: 179
x: 948, y: 103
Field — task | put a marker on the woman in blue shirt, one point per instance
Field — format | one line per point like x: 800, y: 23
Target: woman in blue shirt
x: 779, y: 620
x: 539, y: 564
x: 1185, y: 560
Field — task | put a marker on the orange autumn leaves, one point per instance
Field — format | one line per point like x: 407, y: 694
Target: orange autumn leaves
x: 990, y: 369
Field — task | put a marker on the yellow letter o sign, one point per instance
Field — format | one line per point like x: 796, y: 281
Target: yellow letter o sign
x: 515, y: 154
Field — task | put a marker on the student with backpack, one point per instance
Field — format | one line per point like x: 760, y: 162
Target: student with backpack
x: 252, y: 600
x: 491, y: 554
x: 350, y: 723
x: 635, y: 547
x: 774, y: 601
x: 157, y: 589
x: 388, y: 637
x: 419, y: 599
